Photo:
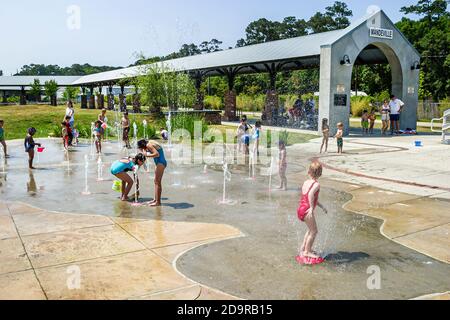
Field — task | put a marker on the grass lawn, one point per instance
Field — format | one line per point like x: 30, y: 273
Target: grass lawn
x: 47, y: 119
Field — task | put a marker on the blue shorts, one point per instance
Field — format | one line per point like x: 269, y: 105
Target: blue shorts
x: 395, y: 117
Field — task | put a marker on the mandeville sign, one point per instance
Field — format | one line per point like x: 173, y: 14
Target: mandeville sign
x: 382, y: 33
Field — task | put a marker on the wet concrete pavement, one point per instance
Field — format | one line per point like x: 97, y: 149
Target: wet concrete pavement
x: 260, y: 265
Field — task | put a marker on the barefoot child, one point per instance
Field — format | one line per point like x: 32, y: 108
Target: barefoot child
x: 372, y: 120
x: 257, y: 136
x: 282, y: 165
x: 240, y: 135
x: 126, y: 130
x: 326, y: 135
x: 98, y: 136
x: 2, y: 138
x: 65, y: 135
x: 340, y: 137
x: 29, y: 145
x: 120, y: 169
x: 306, y: 212
x: 365, y: 122
x: 153, y: 149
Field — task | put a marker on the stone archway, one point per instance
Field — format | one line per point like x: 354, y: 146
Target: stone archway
x: 337, y: 61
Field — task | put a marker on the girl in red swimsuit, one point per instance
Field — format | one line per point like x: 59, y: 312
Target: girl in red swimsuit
x: 308, y: 204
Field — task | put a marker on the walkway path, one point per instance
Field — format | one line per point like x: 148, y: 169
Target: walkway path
x: 117, y: 258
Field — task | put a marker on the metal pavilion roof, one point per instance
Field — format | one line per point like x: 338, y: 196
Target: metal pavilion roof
x: 26, y: 81
x: 295, y: 53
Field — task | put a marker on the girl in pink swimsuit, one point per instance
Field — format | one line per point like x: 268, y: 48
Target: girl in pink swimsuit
x: 308, y: 204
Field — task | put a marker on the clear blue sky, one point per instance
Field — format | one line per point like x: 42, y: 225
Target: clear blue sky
x: 113, y: 31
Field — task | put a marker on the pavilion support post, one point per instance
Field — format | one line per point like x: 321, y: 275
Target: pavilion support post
x: 137, y: 101
x: 122, y: 99
x: 91, y: 98
x: 23, y: 97
x: 199, y: 105
x: 230, y: 99
x: 100, y: 99
x: 84, y: 104
x: 4, y: 98
x: 110, y: 98
x: 270, y: 114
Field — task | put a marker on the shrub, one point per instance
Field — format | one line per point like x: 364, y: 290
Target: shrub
x: 187, y: 122
x: 250, y: 103
x: 359, y: 104
x: 13, y: 99
x: 213, y: 103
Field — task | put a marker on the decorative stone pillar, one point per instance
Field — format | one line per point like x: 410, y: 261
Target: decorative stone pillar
x: 92, y: 99
x: 230, y: 106
x: 137, y: 103
x: 270, y: 113
x: 110, y: 98
x: 23, y: 97
x: 100, y: 101
x: 199, y: 104
x: 84, y: 104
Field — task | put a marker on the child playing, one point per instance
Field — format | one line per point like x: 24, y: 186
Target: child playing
x: 2, y: 138
x: 29, y: 145
x: 120, y: 169
x: 282, y: 165
x: 256, y: 137
x: 326, y: 135
x: 365, y: 122
x: 306, y: 212
x: 153, y: 149
x: 340, y: 137
x: 164, y: 134
x: 385, y: 115
x: 240, y: 135
x: 372, y: 119
x: 65, y: 135
x: 126, y: 130
x: 98, y: 136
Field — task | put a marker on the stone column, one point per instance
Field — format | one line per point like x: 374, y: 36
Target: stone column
x: 199, y: 104
x: 23, y: 97
x: 230, y: 106
x: 122, y: 99
x: 110, y: 98
x: 137, y: 103
x: 335, y: 80
x: 84, y: 104
x: 92, y: 99
x: 271, y: 108
x: 100, y: 99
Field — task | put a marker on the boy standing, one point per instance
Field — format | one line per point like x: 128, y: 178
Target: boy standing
x: 340, y: 138
x: 2, y: 138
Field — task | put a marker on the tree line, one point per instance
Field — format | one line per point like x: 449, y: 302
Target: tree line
x: 430, y: 34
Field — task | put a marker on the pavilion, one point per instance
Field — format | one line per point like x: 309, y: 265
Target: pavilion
x: 373, y: 39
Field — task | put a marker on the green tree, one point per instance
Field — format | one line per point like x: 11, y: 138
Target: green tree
x: 51, y: 89
x: 335, y: 17
x: 71, y: 93
x: 35, y: 90
x: 433, y: 10
x: 210, y: 46
x: 431, y: 37
x: 161, y: 87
